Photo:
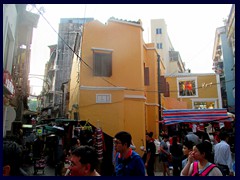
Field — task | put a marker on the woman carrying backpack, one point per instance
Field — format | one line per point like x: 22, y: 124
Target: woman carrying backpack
x: 198, y: 163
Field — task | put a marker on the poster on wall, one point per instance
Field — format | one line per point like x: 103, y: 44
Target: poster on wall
x: 187, y: 88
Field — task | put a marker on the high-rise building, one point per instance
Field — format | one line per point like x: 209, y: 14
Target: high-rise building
x: 171, y: 58
x: 224, y: 60
x: 223, y: 63
x: 70, y: 33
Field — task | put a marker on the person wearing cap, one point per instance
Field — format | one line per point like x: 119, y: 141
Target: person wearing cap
x: 127, y: 161
x: 150, y: 154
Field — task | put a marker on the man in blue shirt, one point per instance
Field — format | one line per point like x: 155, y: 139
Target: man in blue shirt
x: 127, y: 162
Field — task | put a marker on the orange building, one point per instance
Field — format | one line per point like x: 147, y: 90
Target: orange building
x: 114, y: 84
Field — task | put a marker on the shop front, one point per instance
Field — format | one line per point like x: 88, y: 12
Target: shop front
x: 199, y: 120
x: 9, y: 113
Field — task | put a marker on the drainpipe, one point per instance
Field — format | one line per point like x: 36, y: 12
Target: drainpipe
x: 159, y: 94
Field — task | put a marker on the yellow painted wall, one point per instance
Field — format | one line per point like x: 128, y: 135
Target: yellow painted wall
x: 134, y: 121
x: 110, y: 116
x: 207, y: 92
x: 74, y: 87
x: 152, y: 104
x: 127, y: 109
x: 125, y: 41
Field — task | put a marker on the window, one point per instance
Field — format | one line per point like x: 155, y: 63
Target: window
x: 102, y: 64
x: 146, y: 76
x: 204, y: 105
x: 159, y: 46
x: 158, y: 31
x: 187, y: 87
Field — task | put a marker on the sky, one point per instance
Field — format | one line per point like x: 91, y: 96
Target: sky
x: 191, y: 29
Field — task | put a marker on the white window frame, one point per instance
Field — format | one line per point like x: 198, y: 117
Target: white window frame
x: 205, y: 100
x: 103, y: 98
x: 159, y: 45
x: 187, y: 79
x: 158, y: 30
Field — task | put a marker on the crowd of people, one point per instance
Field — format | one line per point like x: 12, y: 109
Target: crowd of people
x: 196, y: 155
x: 191, y: 156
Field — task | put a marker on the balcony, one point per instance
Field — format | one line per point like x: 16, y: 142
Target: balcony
x: 174, y: 56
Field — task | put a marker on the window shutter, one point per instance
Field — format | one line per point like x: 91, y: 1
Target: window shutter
x: 102, y: 64
x: 167, y: 92
x: 162, y: 85
x: 146, y: 76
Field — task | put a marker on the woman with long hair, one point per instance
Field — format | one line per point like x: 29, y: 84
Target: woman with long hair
x: 199, y: 164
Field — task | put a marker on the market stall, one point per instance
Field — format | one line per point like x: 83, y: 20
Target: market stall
x: 175, y: 116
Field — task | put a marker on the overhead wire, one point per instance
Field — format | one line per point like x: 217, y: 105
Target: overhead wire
x: 204, y: 47
x: 71, y: 48
x: 60, y: 36
x: 90, y: 68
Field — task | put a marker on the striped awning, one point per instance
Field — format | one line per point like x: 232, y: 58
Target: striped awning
x: 195, y: 115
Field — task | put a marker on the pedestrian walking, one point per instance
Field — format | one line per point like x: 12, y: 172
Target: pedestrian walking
x: 191, y: 137
x: 223, y: 155
x: 127, y: 161
x: 177, y: 155
x: 165, y: 154
x: 150, y: 154
x: 84, y: 161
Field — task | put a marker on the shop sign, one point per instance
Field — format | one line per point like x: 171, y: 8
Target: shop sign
x: 8, y: 82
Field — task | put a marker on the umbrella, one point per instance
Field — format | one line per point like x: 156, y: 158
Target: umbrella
x: 54, y: 129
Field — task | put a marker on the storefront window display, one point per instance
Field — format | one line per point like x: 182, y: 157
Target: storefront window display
x: 204, y: 105
x: 187, y: 87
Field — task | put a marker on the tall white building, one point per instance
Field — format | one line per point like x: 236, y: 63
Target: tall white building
x: 171, y: 58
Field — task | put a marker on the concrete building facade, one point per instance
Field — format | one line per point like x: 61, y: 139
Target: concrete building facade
x: 223, y: 63
x: 18, y: 26
x: 231, y: 37
x: 58, y: 68
x: 171, y: 58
